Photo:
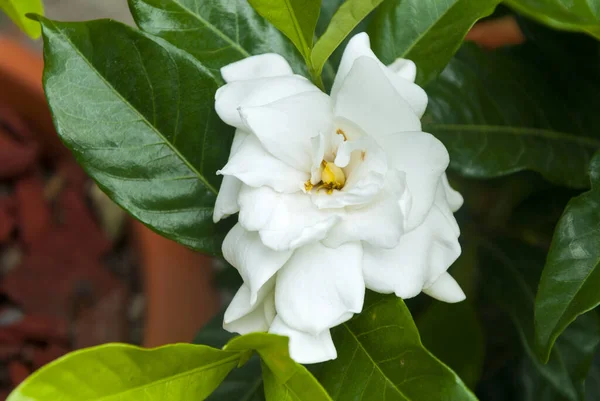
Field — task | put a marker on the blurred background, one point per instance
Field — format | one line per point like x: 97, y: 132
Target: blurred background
x: 75, y: 271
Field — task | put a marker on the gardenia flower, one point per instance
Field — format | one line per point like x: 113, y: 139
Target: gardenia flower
x: 335, y: 194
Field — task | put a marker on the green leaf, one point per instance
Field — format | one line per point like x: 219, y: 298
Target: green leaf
x: 452, y: 332
x: 427, y: 32
x: 138, y: 115
x: 216, y: 32
x: 576, y: 15
x: 127, y: 373
x: 16, y: 10
x: 571, y: 278
x: 498, y: 113
x: 346, y: 18
x: 297, y: 19
x: 284, y: 379
x: 244, y: 383
x: 511, y: 271
x: 380, y: 357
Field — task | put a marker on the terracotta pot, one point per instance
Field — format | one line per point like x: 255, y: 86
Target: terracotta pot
x: 178, y: 282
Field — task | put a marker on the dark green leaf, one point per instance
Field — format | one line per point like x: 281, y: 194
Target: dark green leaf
x: 511, y: 272
x: 427, y: 32
x: 346, y: 18
x: 576, y: 15
x: 380, y: 357
x: 138, y: 115
x: 216, y: 32
x: 244, y: 383
x: 297, y: 19
x: 497, y: 113
x: 284, y: 379
x: 128, y: 373
x: 452, y: 332
x: 570, y: 282
x: 16, y: 10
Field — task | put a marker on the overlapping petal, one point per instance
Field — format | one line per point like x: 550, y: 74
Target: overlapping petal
x: 255, y: 262
x: 226, y: 203
x: 256, y: 92
x: 319, y: 286
x: 423, y: 158
x: 256, y: 167
x: 305, y: 347
x: 401, y: 74
x: 285, y: 127
x: 367, y: 98
x: 283, y: 221
x: 244, y: 317
x: 421, y: 257
x: 260, y: 66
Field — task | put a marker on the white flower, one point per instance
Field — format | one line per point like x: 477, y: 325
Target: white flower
x: 334, y: 193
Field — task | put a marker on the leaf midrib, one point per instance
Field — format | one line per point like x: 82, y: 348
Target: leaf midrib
x: 359, y: 344
x: 142, y: 117
x: 213, y: 28
x: 517, y: 131
x: 430, y: 27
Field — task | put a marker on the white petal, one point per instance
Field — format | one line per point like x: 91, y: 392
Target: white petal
x: 261, y: 66
x: 284, y: 221
x: 445, y: 289
x: 365, y: 171
x: 256, y: 167
x: 404, y: 68
x: 421, y: 256
x: 454, y: 197
x: 226, y: 203
x: 380, y: 223
x: 285, y: 127
x: 441, y: 201
x: 242, y: 317
x: 401, y: 74
x: 368, y: 98
x: 255, y: 262
x: 256, y: 92
x: 319, y: 285
x: 304, y: 347
x: 424, y: 159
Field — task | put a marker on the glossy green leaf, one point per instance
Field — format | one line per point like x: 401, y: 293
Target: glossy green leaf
x: 380, y: 357
x: 536, y: 387
x: 498, y: 113
x: 574, y: 15
x: 244, y: 383
x: 346, y: 18
x: 511, y: 272
x: 427, y: 32
x: 16, y: 11
x: 216, y: 32
x: 126, y: 373
x: 138, y: 115
x: 570, y: 282
x: 297, y: 19
x: 283, y: 378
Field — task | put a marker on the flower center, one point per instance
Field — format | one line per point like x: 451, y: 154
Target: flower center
x: 332, y: 177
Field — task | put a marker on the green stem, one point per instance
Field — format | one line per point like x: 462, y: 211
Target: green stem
x: 315, y: 76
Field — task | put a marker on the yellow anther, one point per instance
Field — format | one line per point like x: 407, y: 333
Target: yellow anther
x: 341, y: 132
x: 332, y: 176
x: 308, y: 186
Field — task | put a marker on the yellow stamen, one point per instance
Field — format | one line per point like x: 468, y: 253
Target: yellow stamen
x: 332, y: 176
x: 308, y: 186
x: 341, y: 132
